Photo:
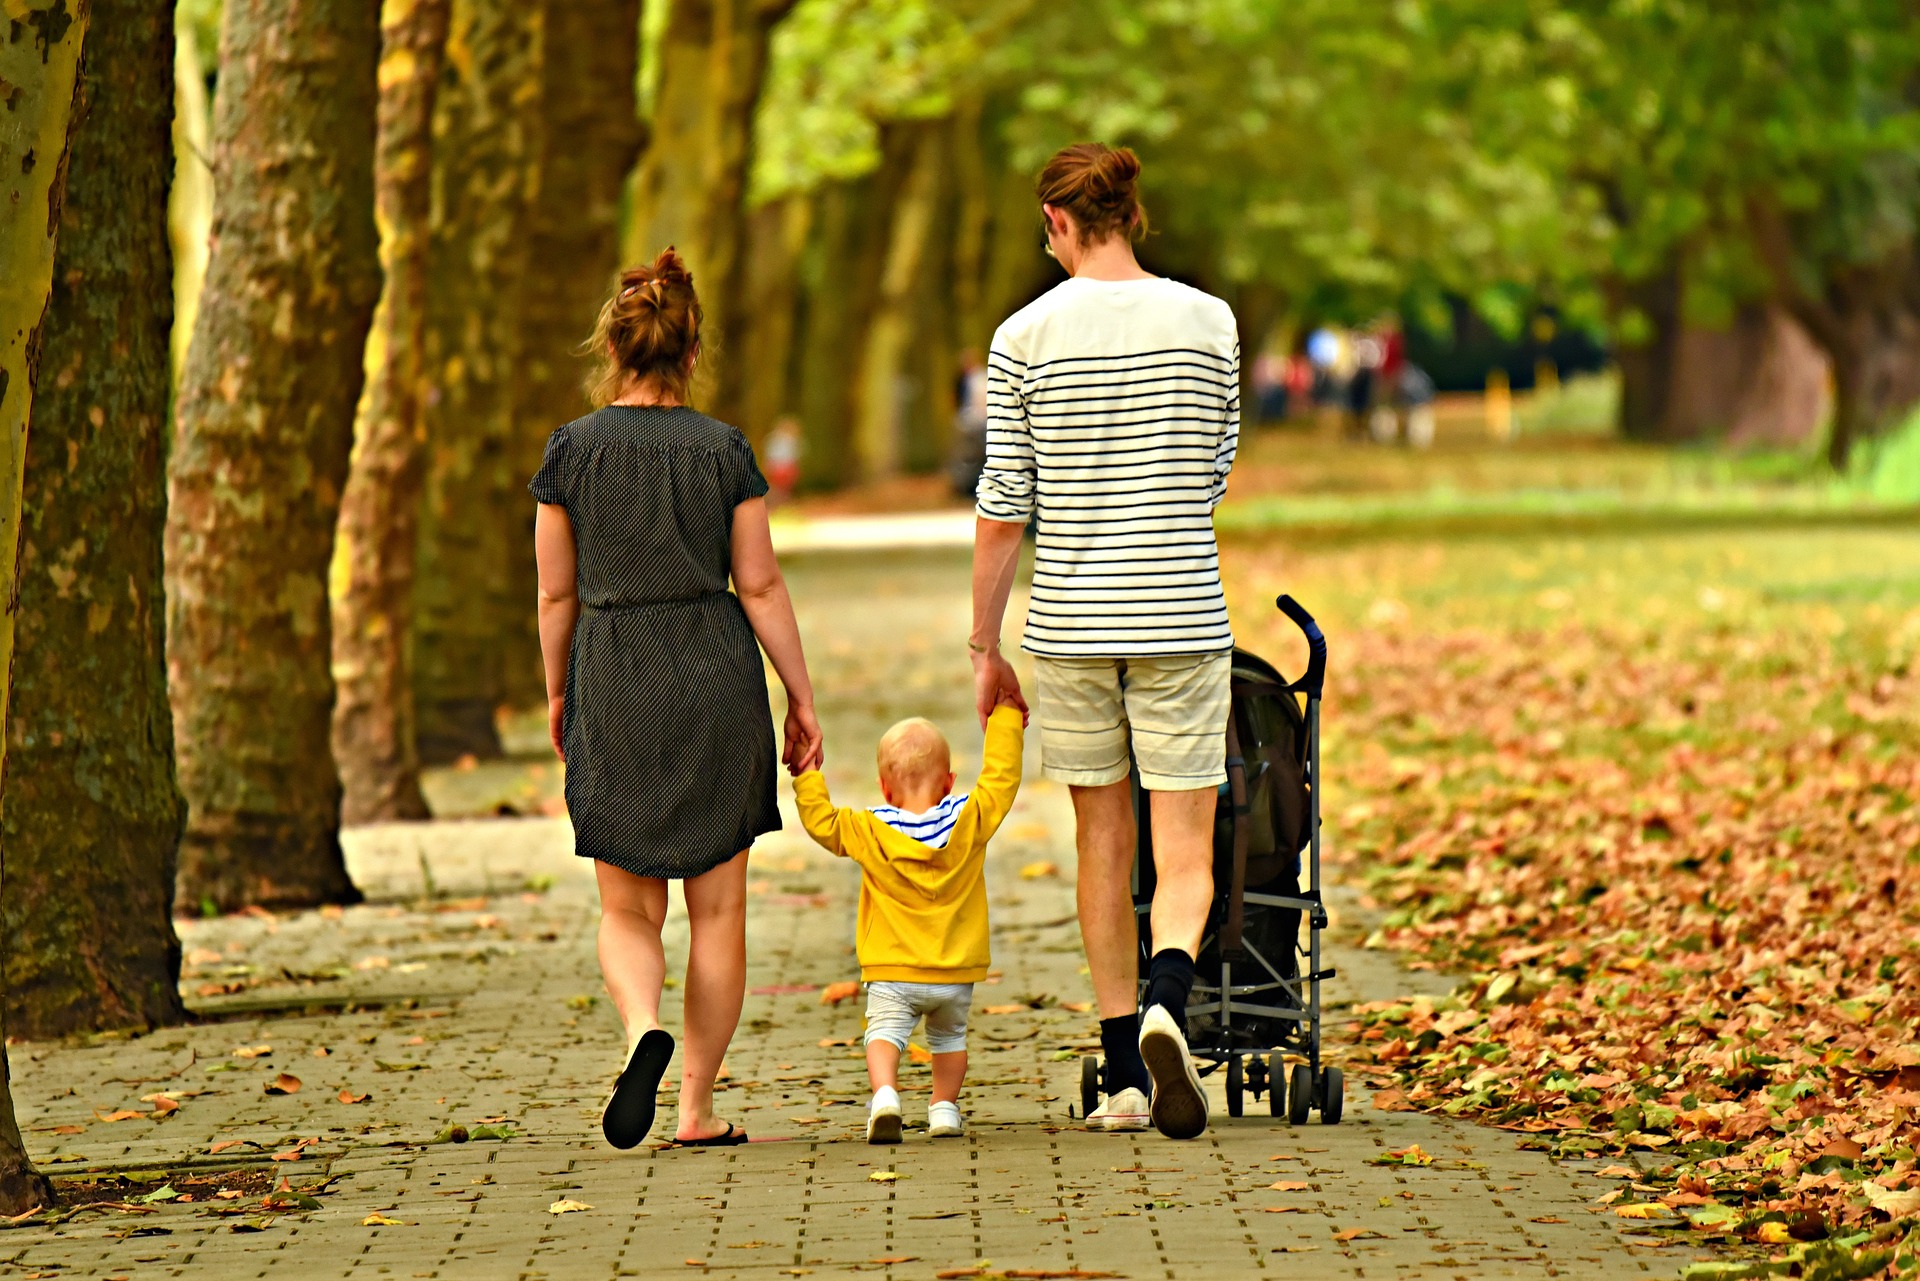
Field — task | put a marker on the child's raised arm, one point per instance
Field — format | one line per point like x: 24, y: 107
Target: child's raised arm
x: 817, y: 812
x: 1000, y: 766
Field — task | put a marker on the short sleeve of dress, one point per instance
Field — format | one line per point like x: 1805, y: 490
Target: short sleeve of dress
x: 746, y: 478
x: 549, y: 483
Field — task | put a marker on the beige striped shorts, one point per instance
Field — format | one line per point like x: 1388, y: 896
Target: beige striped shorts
x: 1172, y: 713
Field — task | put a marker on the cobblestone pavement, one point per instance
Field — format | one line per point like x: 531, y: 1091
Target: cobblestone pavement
x: 465, y: 993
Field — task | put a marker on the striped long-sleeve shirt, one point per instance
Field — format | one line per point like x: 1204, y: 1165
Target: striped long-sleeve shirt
x: 1114, y: 414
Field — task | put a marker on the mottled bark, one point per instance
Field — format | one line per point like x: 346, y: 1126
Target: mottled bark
x: 378, y: 535
x: 265, y: 427
x: 92, y: 814
x: 1758, y: 379
x: 39, y: 67
x: 590, y: 138
x: 485, y: 147
x: 690, y: 191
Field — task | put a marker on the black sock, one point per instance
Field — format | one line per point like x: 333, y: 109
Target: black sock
x: 1169, y: 980
x: 1120, y: 1043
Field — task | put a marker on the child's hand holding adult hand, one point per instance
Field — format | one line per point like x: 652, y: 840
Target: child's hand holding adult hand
x: 805, y: 746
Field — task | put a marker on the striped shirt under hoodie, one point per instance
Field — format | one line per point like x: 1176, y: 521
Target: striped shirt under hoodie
x: 1114, y: 414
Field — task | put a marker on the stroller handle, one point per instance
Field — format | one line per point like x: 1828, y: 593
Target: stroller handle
x: 1315, y: 680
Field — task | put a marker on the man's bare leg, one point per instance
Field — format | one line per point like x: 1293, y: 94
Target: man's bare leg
x: 1182, y: 898
x: 1104, y: 836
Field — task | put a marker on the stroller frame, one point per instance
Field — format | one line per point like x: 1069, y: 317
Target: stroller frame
x: 1259, y: 987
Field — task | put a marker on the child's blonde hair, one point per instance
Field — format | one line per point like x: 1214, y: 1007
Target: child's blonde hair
x: 913, y: 752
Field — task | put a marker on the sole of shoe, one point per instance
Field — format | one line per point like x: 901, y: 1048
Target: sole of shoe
x: 945, y: 1132
x: 629, y: 1113
x: 1128, y: 1124
x: 884, y: 1128
x: 1179, y: 1105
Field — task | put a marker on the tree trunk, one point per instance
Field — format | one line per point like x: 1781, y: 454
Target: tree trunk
x: 1647, y: 366
x: 889, y: 385
x: 92, y: 813
x: 776, y: 238
x: 1865, y: 316
x: 378, y: 536
x: 590, y: 137
x: 40, y: 63
x: 265, y: 427
x: 1760, y: 380
x: 841, y: 278
x: 485, y: 148
x: 691, y: 188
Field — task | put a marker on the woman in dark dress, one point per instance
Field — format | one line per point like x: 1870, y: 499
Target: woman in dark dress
x: 656, y: 697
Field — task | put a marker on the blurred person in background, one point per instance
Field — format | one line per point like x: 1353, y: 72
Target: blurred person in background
x: 783, y: 460
x: 969, y: 423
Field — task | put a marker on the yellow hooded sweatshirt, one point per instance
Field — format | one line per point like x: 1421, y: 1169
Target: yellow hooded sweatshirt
x: 923, y: 911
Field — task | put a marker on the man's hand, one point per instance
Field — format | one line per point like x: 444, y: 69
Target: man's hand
x: 995, y: 685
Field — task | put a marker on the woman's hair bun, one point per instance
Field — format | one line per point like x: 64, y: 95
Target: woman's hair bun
x: 1098, y: 186
x: 648, y: 330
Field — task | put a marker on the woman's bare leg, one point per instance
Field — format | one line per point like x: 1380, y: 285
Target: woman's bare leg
x: 716, y: 987
x: 632, y: 910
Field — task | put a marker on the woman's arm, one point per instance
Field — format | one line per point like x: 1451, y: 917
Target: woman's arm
x: 554, y: 554
x: 763, y: 594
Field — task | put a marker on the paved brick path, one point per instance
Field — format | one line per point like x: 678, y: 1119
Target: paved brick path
x: 465, y: 992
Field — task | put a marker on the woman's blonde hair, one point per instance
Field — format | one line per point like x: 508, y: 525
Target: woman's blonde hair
x: 647, y: 329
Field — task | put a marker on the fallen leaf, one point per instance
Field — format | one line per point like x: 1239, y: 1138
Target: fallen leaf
x: 885, y: 1176
x: 378, y: 1220
x: 1356, y: 1234
x: 164, y: 1106
x: 123, y: 1114
x: 1546, y: 1218
x: 348, y: 1096
x: 567, y: 1206
x: 1618, y: 1172
x: 1771, y: 1233
x: 1641, y: 1210
x: 225, y: 1144
x: 68, y: 1129
x: 252, y: 1051
x: 1034, y: 871
x: 919, y: 1053
x: 1893, y: 1204
x: 1008, y: 1009
x: 896, y: 1258
x: 283, y: 1084
x: 1287, y: 1209
x: 834, y: 993
x: 1289, y: 1185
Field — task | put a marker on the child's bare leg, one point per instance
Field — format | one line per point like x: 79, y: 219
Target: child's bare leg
x: 883, y: 1065
x: 949, y: 1073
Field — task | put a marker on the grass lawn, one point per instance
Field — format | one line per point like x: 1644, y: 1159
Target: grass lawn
x: 1647, y: 774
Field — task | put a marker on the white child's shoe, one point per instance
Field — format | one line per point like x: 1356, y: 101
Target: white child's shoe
x: 943, y: 1121
x: 1179, y: 1104
x: 1126, y: 1111
x: 883, y: 1118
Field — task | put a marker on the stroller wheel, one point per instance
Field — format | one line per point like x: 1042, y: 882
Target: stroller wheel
x: 1089, y: 1084
x: 1236, y: 1087
x: 1276, y: 1085
x: 1300, y: 1094
x: 1333, y: 1091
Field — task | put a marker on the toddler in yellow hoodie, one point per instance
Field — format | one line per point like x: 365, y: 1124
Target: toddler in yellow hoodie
x: 922, y: 932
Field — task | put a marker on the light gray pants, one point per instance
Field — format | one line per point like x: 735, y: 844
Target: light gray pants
x: 893, y: 1009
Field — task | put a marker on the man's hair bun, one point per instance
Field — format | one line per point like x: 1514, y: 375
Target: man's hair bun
x: 1099, y: 186
x: 648, y: 328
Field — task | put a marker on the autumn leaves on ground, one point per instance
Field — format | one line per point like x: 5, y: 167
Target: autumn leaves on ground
x: 1652, y: 792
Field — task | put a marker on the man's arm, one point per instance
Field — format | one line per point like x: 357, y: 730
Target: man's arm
x: 1229, y: 445
x: 1006, y: 498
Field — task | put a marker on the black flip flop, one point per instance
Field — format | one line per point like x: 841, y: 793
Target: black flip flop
x: 629, y: 1113
x: 731, y: 1137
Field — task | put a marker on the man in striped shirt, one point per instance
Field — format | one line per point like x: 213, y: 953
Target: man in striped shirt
x: 1114, y: 415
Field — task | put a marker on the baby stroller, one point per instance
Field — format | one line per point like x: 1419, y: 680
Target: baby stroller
x: 1252, y: 1008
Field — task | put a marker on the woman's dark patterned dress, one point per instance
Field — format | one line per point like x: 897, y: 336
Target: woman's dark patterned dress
x: 669, y: 740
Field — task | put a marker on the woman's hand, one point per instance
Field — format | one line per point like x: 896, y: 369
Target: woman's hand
x: 994, y: 684
x: 805, y: 746
x: 556, y: 724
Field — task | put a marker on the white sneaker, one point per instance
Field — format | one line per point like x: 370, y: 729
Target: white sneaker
x: 883, y: 1118
x: 943, y: 1121
x: 1126, y: 1110
x: 1179, y: 1104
